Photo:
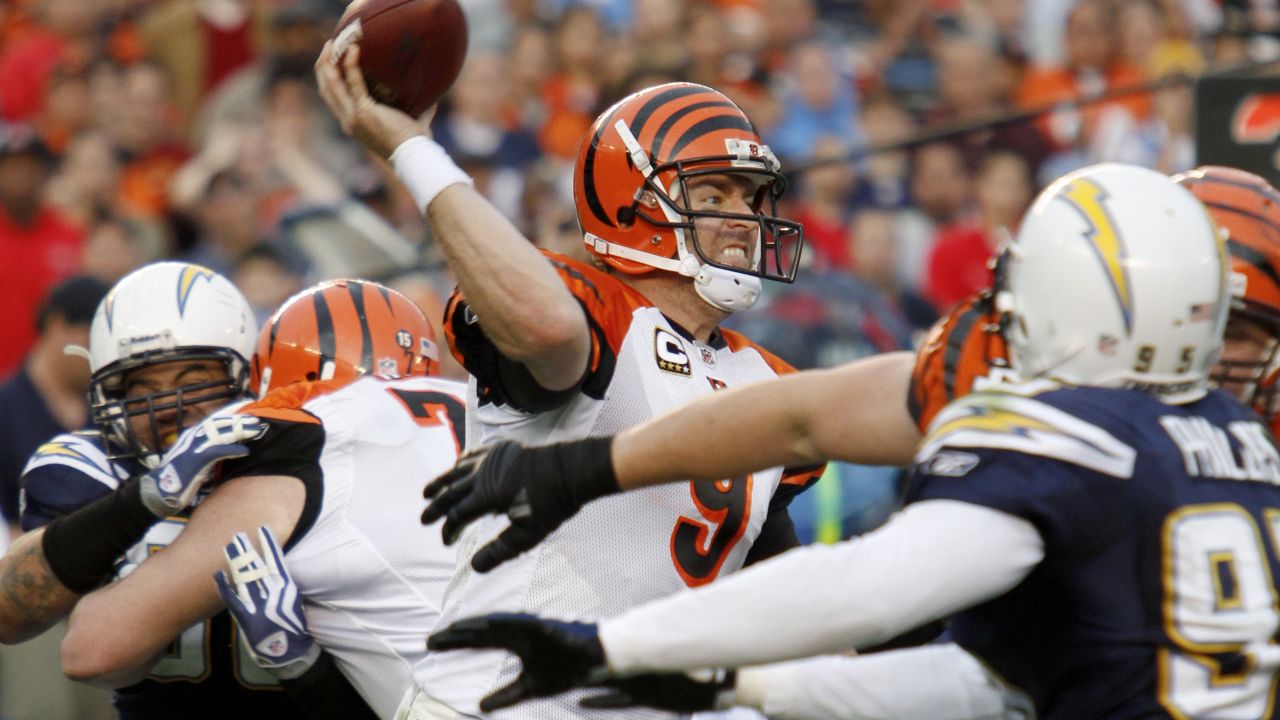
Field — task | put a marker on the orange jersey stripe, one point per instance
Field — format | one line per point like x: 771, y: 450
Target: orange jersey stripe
x: 286, y: 403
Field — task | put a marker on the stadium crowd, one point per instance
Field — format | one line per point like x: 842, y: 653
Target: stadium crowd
x: 138, y: 130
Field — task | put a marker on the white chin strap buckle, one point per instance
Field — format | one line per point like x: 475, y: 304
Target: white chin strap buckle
x: 725, y: 289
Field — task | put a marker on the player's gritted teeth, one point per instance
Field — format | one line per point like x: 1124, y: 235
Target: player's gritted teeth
x: 734, y: 255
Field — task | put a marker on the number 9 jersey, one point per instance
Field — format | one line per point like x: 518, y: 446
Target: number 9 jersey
x: 621, y: 551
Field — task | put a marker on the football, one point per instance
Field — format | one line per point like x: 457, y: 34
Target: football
x: 410, y: 50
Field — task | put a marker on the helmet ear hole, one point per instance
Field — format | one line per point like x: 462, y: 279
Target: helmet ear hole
x: 626, y: 216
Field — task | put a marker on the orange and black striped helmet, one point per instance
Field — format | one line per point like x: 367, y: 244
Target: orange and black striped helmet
x: 1247, y: 207
x: 630, y: 177
x: 341, y: 330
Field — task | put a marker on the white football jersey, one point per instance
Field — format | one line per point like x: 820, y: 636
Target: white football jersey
x: 372, y: 576
x: 619, y: 551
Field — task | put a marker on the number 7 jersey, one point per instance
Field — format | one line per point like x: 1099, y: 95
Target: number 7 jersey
x: 619, y: 551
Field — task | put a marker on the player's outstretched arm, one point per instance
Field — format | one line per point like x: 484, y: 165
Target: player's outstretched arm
x: 266, y: 605
x: 934, y: 682
x: 934, y: 558
x: 46, y: 571
x: 523, y: 305
x: 856, y: 413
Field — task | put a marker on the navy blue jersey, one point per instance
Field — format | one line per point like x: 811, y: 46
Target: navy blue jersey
x: 1159, y: 592
x: 205, y: 673
x: 27, y: 422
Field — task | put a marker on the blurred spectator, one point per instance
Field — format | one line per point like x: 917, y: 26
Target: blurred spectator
x: 38, y: 245
x: 883, y: 179
x: 822, y: 203
x: 200, y: 43
x: 264, y: 276
x: 60, y: 36
x: 1166, y: 140
x: 873, y: 255
x: 1140, y: 28
x: 117, y: 245
x: 227, y: 219
x: 657, y: 33
x: 821, y: 101
x: 940, y: 193
x: 888, y: 48
x: 479, y: 130
x: 298, y: 30
x: 973, y: 86
x: 708, y: 46
x: 48, y: 394
x: 959, y: 264
x: 530, y: 64
x: 67, y: 110
x: 88, y: 181
x: 144, y: 132
x: 572, y: 95
x: 1091, y: 69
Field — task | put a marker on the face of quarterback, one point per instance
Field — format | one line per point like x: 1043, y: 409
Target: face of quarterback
x: 728, y: 241
x: 171, y: 413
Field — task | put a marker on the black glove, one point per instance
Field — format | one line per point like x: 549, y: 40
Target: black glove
x: 537, y: 488
x: 676, y: 692
x: 555, y: 656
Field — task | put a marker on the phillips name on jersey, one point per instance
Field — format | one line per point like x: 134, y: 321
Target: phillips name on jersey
x: 1161, y: 525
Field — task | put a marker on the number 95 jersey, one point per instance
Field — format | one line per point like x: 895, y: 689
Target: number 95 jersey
x: 1157, y: 595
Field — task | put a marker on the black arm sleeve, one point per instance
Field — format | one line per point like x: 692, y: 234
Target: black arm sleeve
x: 291, y: 449
x: 776, y: 537
x: 324, y: 692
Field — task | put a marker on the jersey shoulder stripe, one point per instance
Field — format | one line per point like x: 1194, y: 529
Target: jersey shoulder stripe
x: 79, y: 451
x: 609, y: 303
x: 1005, y: 420
x: 738, y: 342
x: 286, y: 403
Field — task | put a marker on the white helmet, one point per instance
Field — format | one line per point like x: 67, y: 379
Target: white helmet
x: 1117, y: 278
x: 165, y: 312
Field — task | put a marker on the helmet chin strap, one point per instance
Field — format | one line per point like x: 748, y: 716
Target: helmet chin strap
x: 725, y: 289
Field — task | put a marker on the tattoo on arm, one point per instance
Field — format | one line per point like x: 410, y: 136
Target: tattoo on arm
x: 31, y: 597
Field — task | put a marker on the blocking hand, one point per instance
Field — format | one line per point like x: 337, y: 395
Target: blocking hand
x: 556, y: 656
x: 266, y: 605
x: 536, y: 488
x: 676, y: 692
x: 173, y: 485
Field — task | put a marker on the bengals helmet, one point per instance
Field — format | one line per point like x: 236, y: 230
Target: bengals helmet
x: 1247, y: 207
x: 341, y: 330
x: 630, y: 189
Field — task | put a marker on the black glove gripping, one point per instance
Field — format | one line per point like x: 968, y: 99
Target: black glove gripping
x: 537, y: 488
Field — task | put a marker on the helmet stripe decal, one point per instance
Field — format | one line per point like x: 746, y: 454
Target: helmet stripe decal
x: 676, y: 116
x: 702, y: 127
x: 324, y: 331
x: 1255, y: 259
x: 651, y: 106
x: 356, y: 289
x: 1088, y: 199
x: 187, y: 280
x: 386, y: 297
x: 589, y: 174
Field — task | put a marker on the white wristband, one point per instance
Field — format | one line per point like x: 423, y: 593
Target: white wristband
x: 425, y: 169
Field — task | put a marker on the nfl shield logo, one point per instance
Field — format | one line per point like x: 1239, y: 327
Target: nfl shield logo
x: 708, y: 356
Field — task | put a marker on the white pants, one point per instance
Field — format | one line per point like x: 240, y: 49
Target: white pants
x: 417, y: 705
